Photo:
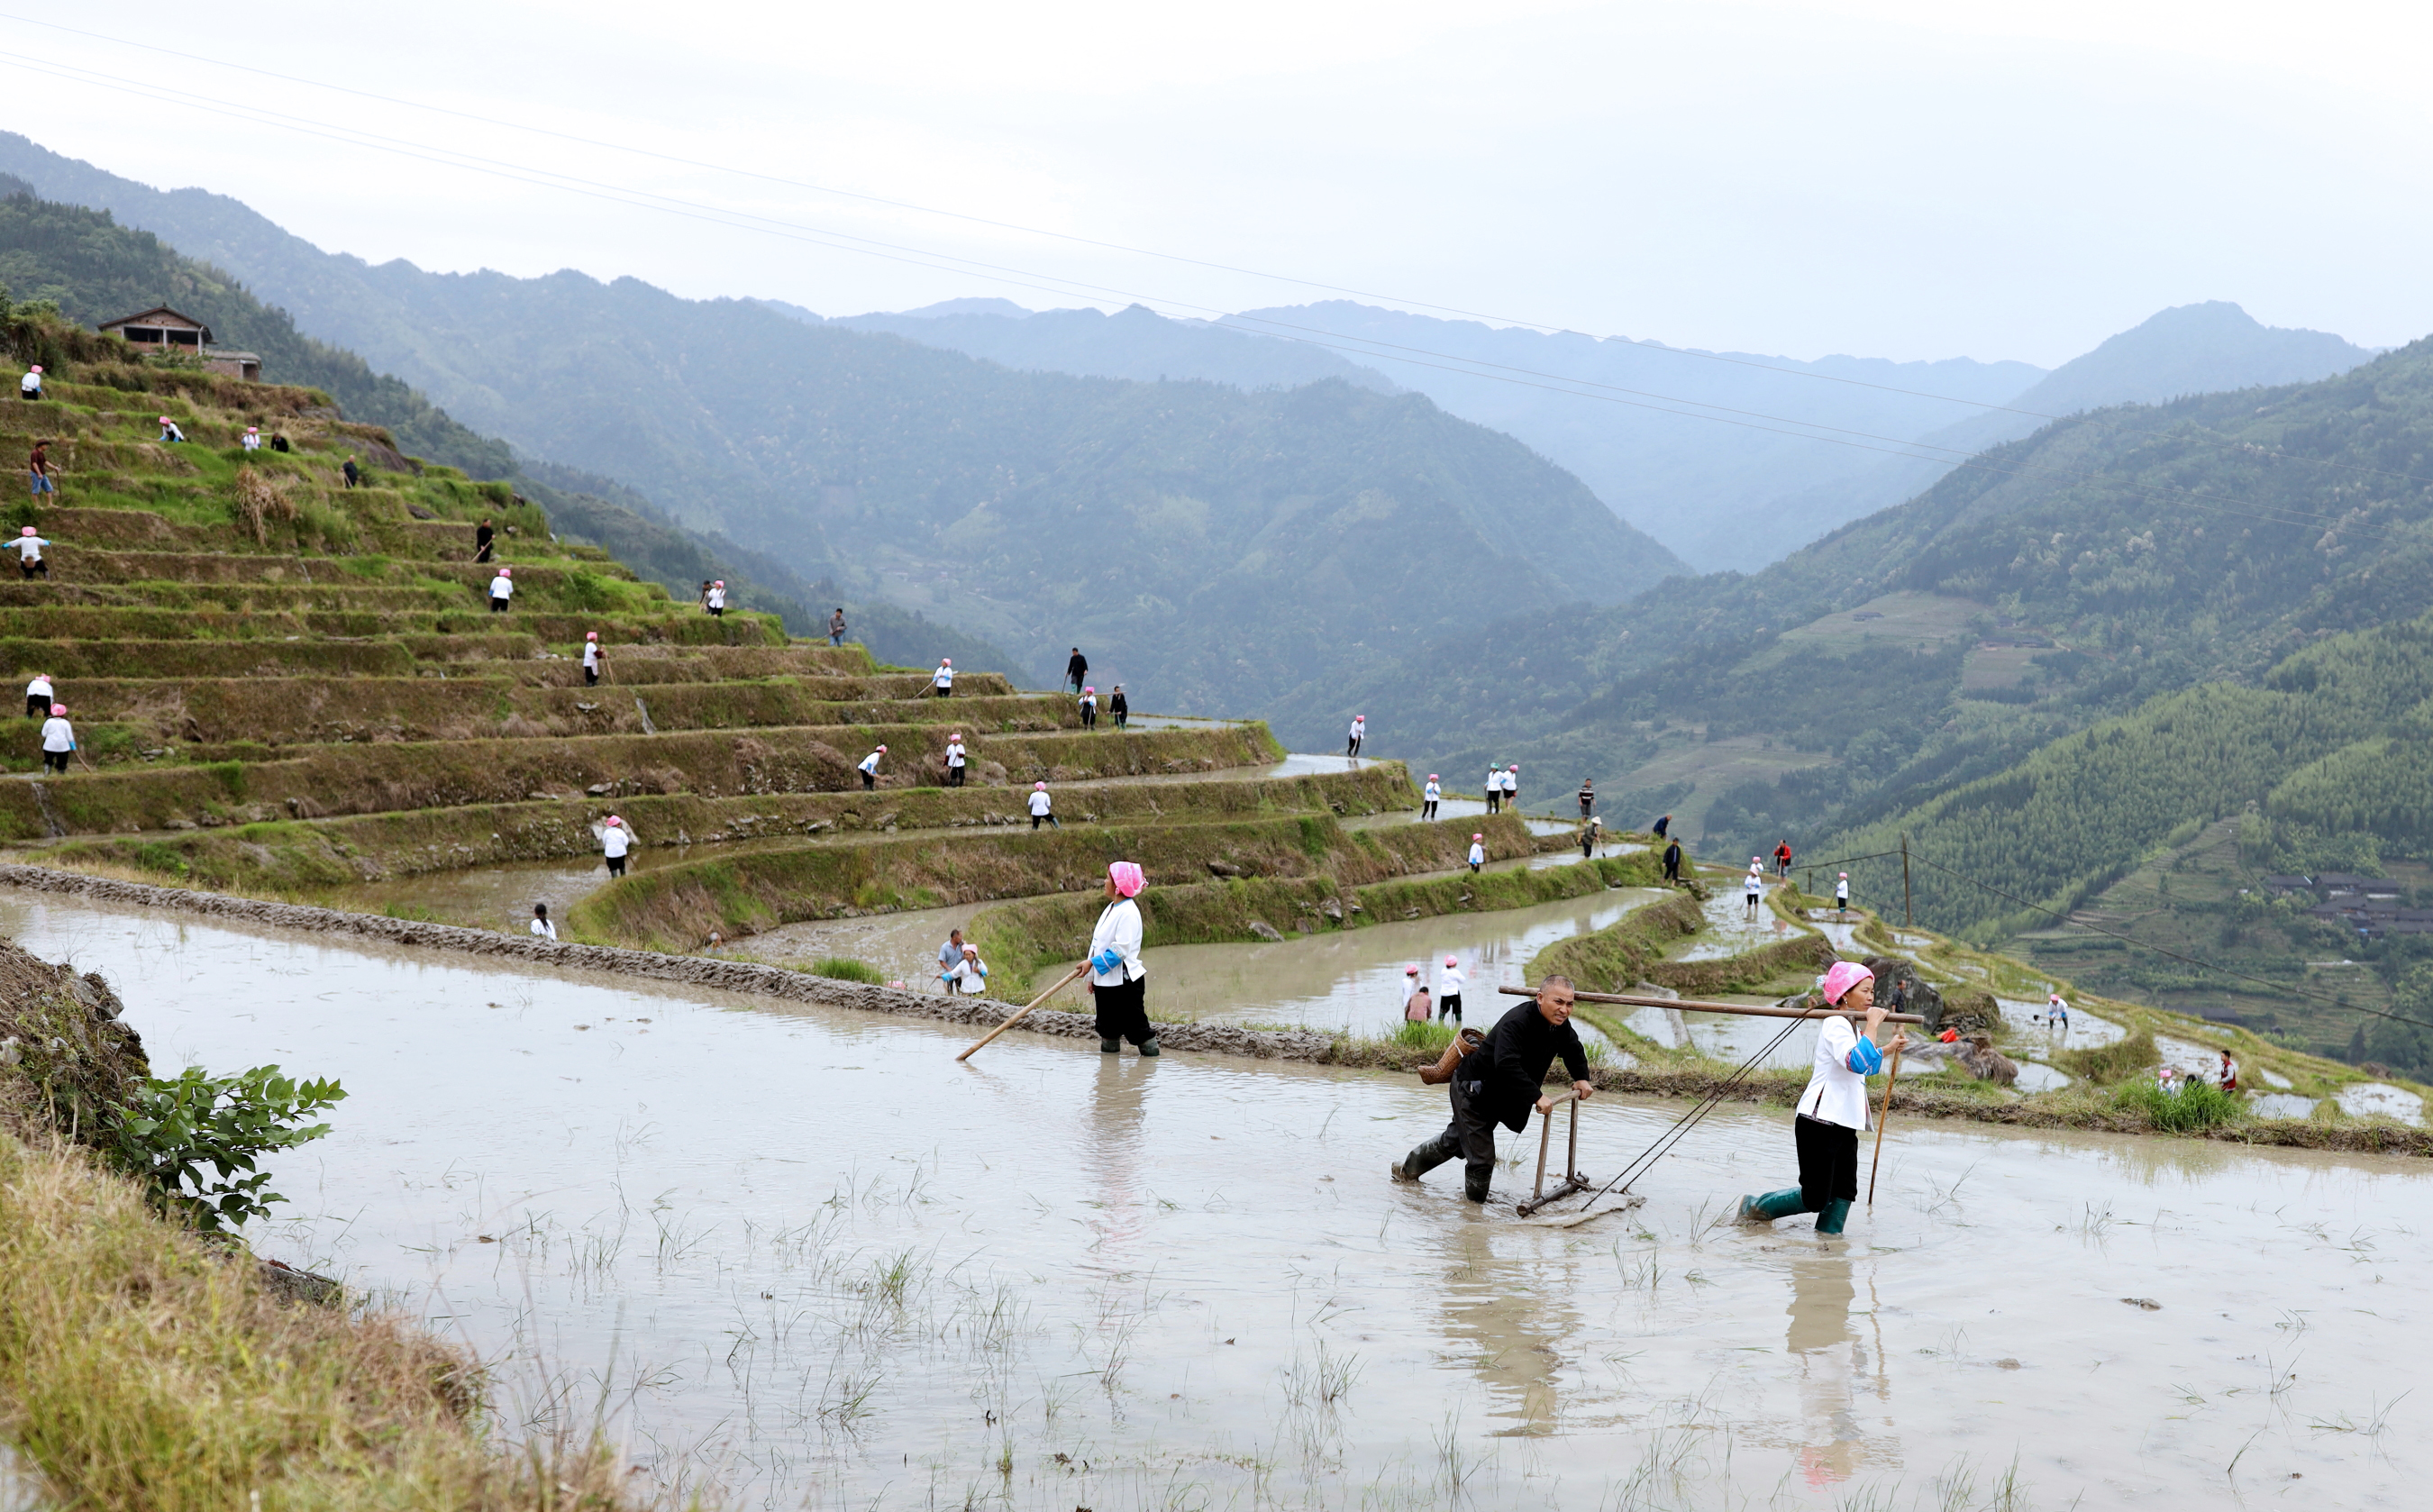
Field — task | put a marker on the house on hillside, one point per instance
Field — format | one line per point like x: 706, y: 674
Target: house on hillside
x: 2335, y: 887
x: 169, y: 331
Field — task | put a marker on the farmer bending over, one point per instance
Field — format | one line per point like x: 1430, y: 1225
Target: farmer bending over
x: 1500, y: 1081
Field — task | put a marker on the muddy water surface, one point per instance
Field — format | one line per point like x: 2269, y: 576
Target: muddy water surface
x: 810, y: 1252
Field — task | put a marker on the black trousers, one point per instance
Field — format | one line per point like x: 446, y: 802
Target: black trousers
x: 591, y: 676
x: 616, y: 866
x: 1828, y: 1162
x: 944, y: 691
x: 36, y: 706
x: 1470, y: 1135
x: 1428, y: 809
x: 1449, y: 1007
x: 498, y: 605
x: 1089, y: 717
x: 1672, y: 871
x: 38, y: 567
x: 56, y: 761
x: 868, y: 782
x: 955, y: 776
x: 1037, y: 820
x: 1494, y: 800
x: 1123, y: 1011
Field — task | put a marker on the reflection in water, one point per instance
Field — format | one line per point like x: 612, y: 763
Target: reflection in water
x: 1508, y: 1327
x: 1118, y: 1108
x: 1832, y: 1364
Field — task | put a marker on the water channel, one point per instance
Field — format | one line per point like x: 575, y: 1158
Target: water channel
x: 805, y: 1256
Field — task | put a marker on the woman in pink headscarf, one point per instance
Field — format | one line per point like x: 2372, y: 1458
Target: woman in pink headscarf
x: 1118, y: 985
x: 1833, y: 1109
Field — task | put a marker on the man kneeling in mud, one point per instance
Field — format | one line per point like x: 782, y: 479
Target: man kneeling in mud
x: 1500, y: 1080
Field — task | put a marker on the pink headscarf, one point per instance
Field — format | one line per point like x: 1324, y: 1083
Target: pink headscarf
x: 1127, y: 877
x: 1845, y: 975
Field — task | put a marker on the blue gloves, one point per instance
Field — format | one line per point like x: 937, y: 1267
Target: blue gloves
x: 1105, y: 962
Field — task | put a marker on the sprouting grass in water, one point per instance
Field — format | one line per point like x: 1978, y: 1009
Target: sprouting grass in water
x: 846, y: 969
x: 1431, y: 1037
x: 2181, y: 1110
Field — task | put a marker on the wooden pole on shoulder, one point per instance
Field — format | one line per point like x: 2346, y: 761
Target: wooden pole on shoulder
x: 1061, y: 982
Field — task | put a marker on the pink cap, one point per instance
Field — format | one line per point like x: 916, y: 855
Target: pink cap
x: 28, y: 531
x: 957, y: 735
x: 614, y: 819
x: 59, y: 709
x: 36, y: 368
x: 1432, y: 776
x: 1039, y: 787
x: 945, y: 661
x: 250, y: 430
x: 507, y: 571
x: 1478, y: 837
x: 1452, y: 962
x: 1089, y: 689
x: 591, y: 635
x: 1846, y: 874
x: 1410, y: 971
x: 882, y: 749
x: 1844, y: 976
x: 720, y: 583
x: 1127, y: 877
x: 165, y: 419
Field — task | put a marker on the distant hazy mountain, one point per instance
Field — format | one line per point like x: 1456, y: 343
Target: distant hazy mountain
x: 1136, y: 343
x: 1210, y: 546
x: 2190, y: 348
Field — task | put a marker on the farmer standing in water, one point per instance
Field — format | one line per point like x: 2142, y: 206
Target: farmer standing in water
x: 1499, y: 1082
x: 1118, y: 985
x: 1833, y: 1109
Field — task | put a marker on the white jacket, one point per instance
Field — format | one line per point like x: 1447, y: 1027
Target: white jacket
x: 544, y: 929
x: 1449, y: 980
x: 1119, y: 930
x: 1477, y: 854
x: 943, y: 677
x: 1039, y: 803
x: 1836, y: 1094
x: 615, y: 840
x: 868, y: 763
x: 58, y: 735
x: 1434, y: 791
x: 969, y: 976
x: 38, y: 688
x: 502, y: 587
x: 955, y: 753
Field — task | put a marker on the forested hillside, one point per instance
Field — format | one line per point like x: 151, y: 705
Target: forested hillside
x: 2141, y: 550
x: 1214, y: 546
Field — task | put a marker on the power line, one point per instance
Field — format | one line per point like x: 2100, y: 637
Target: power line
x: 1173, y: 257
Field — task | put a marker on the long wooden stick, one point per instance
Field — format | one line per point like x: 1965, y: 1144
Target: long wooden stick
x: 1694, y: 1006
x: 1891, y: 1076
x: 1073, y: 976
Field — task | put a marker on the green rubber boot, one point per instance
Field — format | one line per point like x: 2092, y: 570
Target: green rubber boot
x: 1829, y: 1222
x: 1771, y: 1205
x: 1148, y: 1046
x: 1111, y: 1046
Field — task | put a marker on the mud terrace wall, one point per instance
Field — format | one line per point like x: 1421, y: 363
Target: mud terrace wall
x: 691, y: 971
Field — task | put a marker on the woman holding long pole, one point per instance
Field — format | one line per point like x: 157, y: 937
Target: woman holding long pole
x: 1833, y: 1109
x: 1118, y: 985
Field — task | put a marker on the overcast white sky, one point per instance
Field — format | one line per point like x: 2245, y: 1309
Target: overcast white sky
x: 1888, y: 177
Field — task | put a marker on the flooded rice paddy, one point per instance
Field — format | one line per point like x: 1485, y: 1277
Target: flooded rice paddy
x: 804, y: 1257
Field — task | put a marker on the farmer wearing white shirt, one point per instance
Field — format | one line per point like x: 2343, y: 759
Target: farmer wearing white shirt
x: 1117, y: 983
x: 943, y: 679
x: 590, y: 659
x: 1449, y: 982
x: 28, y: 547
x: 1512, y: 786
x: 1752, y: 888
x: 1429, y: 796
x: 169, y: 431
x: 955, y: 759
x: 968, y: 975
x: 615, y: 840
x: 540, y: 925
x: 1833, y: 1109
x: 37, y: 696
x: 58, y: 740
x: 1842, y: 894
x: 253, y: 443
x: 502, y: 587
x: 1477, y: 852
x: 1359, y: 730
x: 868, y: 766
x: 715, y: 601
x: 1040, y: 805
x: 31, y: 387
x: 1494, y: 790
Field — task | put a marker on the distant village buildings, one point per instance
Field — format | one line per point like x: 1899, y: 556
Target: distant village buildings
x: 2369, y: 904
x: 170, y: 330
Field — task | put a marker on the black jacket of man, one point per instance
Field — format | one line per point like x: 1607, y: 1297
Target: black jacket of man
x: 1076, y: 667
x: 1505, y: 1078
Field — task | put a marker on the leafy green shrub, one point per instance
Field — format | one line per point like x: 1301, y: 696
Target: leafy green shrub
x: 168, y: 1130
x: 2182, y: 1109
x: 846, y: 969
x: 587, y: 592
